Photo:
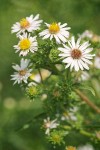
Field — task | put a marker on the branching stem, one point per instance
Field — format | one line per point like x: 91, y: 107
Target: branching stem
x: 86, y: 99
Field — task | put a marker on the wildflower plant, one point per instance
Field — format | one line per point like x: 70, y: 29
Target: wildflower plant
x: 57, y: 68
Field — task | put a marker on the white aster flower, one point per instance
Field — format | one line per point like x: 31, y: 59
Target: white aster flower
x: 26, y: 44
x: 48, y: 125
x: 23, y: 73
x: 68, y: 116
x: 57, y: 31
x: 84, y: 76
x: 71, y: 115
x: 86, y: 147
x: 76, y: 55
x: 27, y: 24
x: 86, y: 34
x: 97, y: 62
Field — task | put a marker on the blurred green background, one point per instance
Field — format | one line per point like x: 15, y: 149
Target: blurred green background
x: 15, y: 110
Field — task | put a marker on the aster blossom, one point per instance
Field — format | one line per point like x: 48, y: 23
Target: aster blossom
x: 26, y: 43
x: 86, y: 147
x: 57, y: 31
x: 22, y: 72
x: 84, y: 76
x: 71, y: 115
x: 48, y: 125
x: 76, y: 55
x: 86, y: 34
x: 29, y: 24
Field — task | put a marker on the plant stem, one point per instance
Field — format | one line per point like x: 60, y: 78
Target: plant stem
x: 86, y: 99
x: 85, y: 133
x: 40, y: 75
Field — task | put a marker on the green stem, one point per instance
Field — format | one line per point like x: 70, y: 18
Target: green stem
x: 40, y: 75
x: 68, y: 75
x: 85, y: 133
x: 89, y: 102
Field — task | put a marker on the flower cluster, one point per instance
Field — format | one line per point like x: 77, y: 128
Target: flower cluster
x: 53, y: 64
x: 74, y: 55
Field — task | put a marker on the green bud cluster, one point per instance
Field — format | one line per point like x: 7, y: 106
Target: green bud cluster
x: 57, y: 137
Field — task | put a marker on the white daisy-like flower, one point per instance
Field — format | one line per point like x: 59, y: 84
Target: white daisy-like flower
x: 57, y: 31
x: 71, y: 115
x: 68, y: 116
x: 86, y: 34
x: 23, y: 73
x: 27, y: 24
x: 76, y: 55
x: 48, y: 125
x: 84, y: 76
x: 26, y: 44
x: 86, y: 147
x: 97, y: 62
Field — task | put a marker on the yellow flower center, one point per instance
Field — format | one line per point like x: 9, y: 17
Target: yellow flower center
x: 70, y: 148
x: 24, y: 23
x: 56, y: 138
x: 54, y: 28
x: 22, y: 72
x: 32, y: 90
x: 76, y: 53
x: 24, y: 44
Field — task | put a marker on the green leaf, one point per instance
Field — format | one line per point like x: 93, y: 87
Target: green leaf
x: 89, y: 89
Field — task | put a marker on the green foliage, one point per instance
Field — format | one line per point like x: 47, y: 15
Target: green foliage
x: 54, y: 55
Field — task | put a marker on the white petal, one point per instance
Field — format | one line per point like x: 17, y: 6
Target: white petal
x: 78, y: 43
x: 63, y: 50
x: 84, y: 46
x: 86, y: 60
x: 88, y: 56
x: 47, y: 131
x: 16, y: 67
x: 80, y: 65
x: 76, y: 66
x: 57, y: 39
x: 70, y: 44
x: 67, y: 60
x: 46, y: 36
x: 63, y: 25
x: 73, y: 41
x: 62, y: 38
x: 51, y: 36
x: 44, y: 32
x: 67, y: 65
x: 68, y: 48
x: 87, y: 50
x: 48, y: 25
x: 36, y: 17
x: 64, y: 55
x: 65, y: 33
x: 84, y: 65
x: 72, y: 65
